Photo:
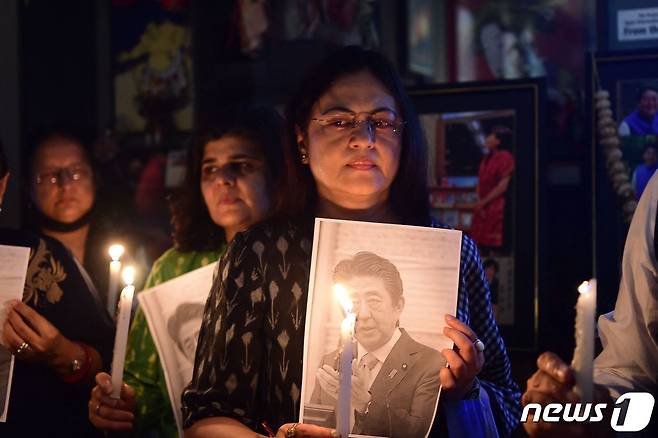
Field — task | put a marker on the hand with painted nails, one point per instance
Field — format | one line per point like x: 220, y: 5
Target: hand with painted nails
x: 110, y: 413
x: 553, y: 382
x: 465, y: 360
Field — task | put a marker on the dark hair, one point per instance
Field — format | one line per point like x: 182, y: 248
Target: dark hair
x: 642, y: 90
x: 58, y: 134
x: 4, y: 165
x: 504, y: 136
x: 409, y: 194
x: 368, y: 264
x: 193, y: 228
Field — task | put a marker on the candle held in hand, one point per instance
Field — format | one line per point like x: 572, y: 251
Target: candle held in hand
x: 344, y: 403
x: 583, y: 355
x: 121, y: 337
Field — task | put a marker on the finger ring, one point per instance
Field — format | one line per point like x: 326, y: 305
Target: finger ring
x: 479, y: 345
x: 22, y: 348
x: 97, y: 411
x: 292, y: 431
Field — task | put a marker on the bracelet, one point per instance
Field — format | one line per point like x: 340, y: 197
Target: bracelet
x: 79, y: 374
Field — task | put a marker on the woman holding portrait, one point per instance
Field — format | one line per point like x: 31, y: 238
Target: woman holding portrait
x: 60, y: 334
x: 233, y: 167
x: 355, y: 151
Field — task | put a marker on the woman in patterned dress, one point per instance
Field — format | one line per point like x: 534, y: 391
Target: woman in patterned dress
x: 232, y: 169
x: 355, y: 151
x: 59, y: 334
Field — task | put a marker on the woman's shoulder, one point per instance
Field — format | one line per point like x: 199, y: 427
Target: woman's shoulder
x: 18, y: 238
x: 272, y: 230
x: 174, y: 262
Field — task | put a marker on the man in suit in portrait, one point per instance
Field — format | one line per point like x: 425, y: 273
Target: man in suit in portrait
x: 395, y: 380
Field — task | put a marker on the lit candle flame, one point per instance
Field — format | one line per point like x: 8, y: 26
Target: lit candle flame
x: 116, y: 251
x: 128, y: 292
x: 585, y: 287
x: 343, y: 298
x: 128, y: 275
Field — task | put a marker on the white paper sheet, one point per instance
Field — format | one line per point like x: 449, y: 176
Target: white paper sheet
x: 13, y: 267
x: 173, y: 311
x: 428, y: 261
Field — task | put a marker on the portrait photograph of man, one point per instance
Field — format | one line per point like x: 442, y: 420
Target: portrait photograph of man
x: 395, y: 371
x: 396, y: 381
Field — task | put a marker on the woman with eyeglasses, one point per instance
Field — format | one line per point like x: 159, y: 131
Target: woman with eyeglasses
x: 354, y: 151
x: 60, y: 334
x: 233, y: 170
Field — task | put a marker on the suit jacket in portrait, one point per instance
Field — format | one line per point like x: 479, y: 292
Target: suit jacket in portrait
x: 403, y: 395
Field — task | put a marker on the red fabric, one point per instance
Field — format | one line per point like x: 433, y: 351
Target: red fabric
x: 487, y: 226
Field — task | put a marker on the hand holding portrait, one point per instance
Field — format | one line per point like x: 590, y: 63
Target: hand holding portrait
x: 30, y: 336
x: 464, y: 362
x: 110, y: 413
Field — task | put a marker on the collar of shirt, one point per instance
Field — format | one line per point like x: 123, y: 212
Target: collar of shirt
x: 382, y: 352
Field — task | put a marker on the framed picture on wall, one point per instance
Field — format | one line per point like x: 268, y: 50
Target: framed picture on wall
x: 484, y: 173
x: 631, y: 81
x: 627, y: 24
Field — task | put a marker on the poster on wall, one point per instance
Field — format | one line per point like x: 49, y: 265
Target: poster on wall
x: 152, y: 67
x: 497, y: 39
x: 484, y: 154
x: 473, y: 156
x: 628, y: 25
x: 376, y: 293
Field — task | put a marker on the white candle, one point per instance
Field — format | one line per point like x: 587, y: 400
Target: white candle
x: 344, y: 408
x: 121, y: 336
x: 115, y: 251
x: 344, y: 403
x: 583, y: 355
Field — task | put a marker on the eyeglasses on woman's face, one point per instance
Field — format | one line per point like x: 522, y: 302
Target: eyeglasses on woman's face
x: 59, y: 176
x: 381, y: 123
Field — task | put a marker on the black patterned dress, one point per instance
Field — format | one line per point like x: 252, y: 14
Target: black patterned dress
x: 248, y: 362
x: 41, y: 403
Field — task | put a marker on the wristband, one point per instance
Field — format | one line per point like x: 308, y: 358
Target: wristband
x: 79, y: 370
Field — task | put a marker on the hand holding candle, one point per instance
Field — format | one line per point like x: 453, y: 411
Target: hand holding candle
x: 115, y: 251
x: 122, y: 325
x: 583, y: 355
